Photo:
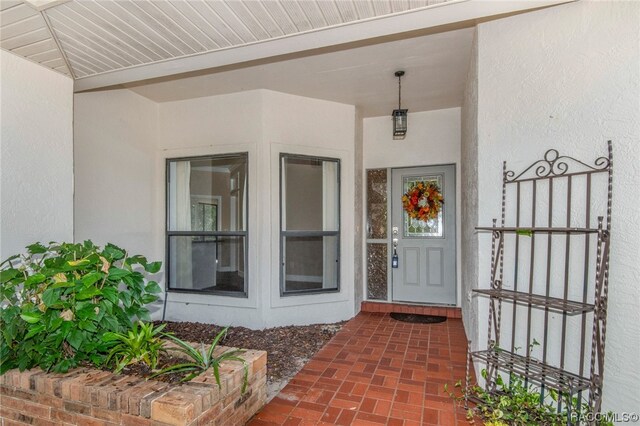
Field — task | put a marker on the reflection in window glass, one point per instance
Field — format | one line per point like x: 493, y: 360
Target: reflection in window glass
x: 206, y: 221
x: 207, y: 263
x: 310, y: 231
x: 204, y: 217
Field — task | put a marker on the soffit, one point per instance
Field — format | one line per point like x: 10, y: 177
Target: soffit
x: 436, y: 68
x: 24, y: 31
x: 100, y: 36
x: 106, y: 42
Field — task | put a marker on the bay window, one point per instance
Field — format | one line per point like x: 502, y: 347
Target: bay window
x: 309, y: 224
x: 207, y: 224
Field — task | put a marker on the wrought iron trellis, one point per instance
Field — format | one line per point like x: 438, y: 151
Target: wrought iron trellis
x: 548, y: 373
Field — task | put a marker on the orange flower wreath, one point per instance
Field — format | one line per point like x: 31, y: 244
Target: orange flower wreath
x: 423, y: 201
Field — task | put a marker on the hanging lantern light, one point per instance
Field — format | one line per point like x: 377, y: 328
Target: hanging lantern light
x: 399, y: 115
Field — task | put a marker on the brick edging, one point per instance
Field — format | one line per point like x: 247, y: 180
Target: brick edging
x: 90, y: 396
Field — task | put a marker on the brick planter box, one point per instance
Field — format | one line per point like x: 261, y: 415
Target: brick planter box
x: 93, y: 397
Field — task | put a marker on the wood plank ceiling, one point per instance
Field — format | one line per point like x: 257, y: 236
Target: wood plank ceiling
x: 24, y: 31
x: 84, y: 38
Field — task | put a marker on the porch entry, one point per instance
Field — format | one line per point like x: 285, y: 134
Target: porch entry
x: 426, y: 250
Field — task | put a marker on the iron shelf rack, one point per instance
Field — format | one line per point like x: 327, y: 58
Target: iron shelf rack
x: 536, y: 371
x: 571, y: 307
x: 537, y: 229
x: 576, y: 369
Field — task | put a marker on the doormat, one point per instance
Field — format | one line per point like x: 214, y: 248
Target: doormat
x: 417, y: 318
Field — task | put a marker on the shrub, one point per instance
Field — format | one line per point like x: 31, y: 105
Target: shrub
x: 140, y: 344
x: 204, y: 359
x: 517, y: 403
x: 58, y: 301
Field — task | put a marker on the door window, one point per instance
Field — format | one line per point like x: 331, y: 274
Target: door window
x: 420, y: 228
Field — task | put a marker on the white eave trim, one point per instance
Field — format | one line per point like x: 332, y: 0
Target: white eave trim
x: 451, y: 12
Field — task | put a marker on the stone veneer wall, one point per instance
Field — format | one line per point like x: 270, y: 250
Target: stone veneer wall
x: 94, y: 397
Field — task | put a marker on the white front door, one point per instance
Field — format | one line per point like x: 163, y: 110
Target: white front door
x: 426, y: 269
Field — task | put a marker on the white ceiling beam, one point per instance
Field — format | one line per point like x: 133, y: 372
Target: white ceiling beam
x: 447, y: 13
x: 55, y: 39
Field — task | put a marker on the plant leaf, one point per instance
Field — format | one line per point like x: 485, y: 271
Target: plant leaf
x: 143, y: 314
x: 216, y: 374
x: 187, y: 349
x: 153, y: 287
x: 137, y: 259
x: 31, y: 317
x: 88, y: 326
x: 111, y: 294
x: 62, y: 284
x: 153, y: 267
x: 88, y: 293
x: 148, y: 298
x: 51, y: 297
x: 113, y: 252
x: 177, y: 368
x: 126, y: 299
x: 116, y: 274
x: 8, y: 274
x: 245, y: 367
x: 218, y: 337
x: 36, y: 248
x: 524, y: 232
x: 75, y: 264
x: 75, y: 338
x: 35, y: 279
x: 33, y: 331
x: 91, y: 278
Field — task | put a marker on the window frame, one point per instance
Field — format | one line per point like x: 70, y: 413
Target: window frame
x: 284, y: 234
x: 168, y: 233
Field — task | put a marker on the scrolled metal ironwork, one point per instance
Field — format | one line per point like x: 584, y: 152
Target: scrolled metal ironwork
x: 553, y: 164
x: 548, y: 373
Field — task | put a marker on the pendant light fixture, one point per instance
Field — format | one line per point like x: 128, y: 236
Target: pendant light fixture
x: 399, y: 115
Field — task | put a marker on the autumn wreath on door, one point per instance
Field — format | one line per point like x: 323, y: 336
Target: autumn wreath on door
x: 423, y: 201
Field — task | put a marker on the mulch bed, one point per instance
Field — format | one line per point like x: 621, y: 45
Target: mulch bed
x: 287, y: 347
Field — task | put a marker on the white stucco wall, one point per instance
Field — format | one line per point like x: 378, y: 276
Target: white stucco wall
x: 123, y: 141
x: 265, y: 123
x: 206, y: 126
x: 299, y: 125
x: 433, y: 138
x: 359, y: 248
x: 469, y: 197
x: 115, y: 144
x: 568, y: 78
x: 36, y: 160
x: 210, y: 121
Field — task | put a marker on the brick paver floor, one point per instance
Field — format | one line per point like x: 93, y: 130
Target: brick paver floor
x: 376, y: 370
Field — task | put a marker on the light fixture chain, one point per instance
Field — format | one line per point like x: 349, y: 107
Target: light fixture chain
x: 399, y: 92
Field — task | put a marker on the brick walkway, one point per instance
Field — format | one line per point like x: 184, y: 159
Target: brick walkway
x: 376, y: 371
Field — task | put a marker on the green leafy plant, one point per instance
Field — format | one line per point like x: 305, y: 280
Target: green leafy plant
x: 142, y: 343
x: 58, y: 300
x: 518, y: 404
x: 204, y: 359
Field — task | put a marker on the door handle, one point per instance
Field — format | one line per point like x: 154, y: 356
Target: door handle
x: 394, y: 259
